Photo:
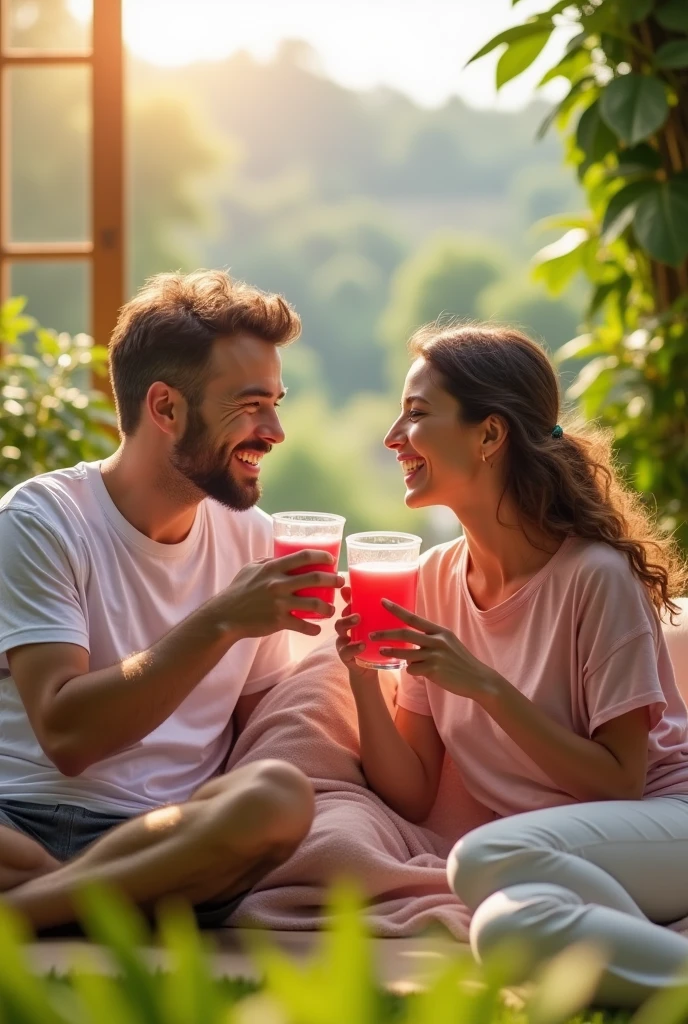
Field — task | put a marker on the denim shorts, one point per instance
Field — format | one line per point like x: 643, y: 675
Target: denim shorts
x: 65, y: 830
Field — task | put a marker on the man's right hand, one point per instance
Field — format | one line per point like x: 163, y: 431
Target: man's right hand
x: 261, y: 597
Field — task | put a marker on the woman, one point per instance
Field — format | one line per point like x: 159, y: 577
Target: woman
x: 539, y: 667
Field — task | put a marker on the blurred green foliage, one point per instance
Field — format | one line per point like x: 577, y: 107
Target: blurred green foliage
x: 625, y: 123
x: 50, y: 414
x: 336, y: 985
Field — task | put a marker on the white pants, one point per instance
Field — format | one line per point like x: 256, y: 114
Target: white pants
x: 611, y: 873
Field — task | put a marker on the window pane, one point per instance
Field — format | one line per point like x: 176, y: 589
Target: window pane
x: 49, y: 24
x: 58, y: 292
x: 50, y: 142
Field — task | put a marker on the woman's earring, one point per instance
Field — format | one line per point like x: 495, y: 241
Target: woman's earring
x: 483, y: 455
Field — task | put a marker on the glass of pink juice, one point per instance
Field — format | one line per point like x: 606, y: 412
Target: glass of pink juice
x: 382, y: 564
x: 296, y: 531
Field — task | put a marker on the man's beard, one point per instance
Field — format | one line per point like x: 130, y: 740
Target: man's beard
x: 209, y: 470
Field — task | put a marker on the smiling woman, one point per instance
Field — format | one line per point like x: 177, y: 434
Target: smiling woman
x: 538, y: 640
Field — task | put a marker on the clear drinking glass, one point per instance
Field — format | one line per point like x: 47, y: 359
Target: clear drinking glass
x: 296, y: 531
x: 382, y: 564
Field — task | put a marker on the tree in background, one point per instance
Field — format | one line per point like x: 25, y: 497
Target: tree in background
x: 517, y: 301
x: 452, y: 276
x: 625, y: 121
x: 441, y: 280
x: 334, y: 262
x: 172, y: 154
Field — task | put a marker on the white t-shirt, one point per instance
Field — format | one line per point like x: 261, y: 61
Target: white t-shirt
x: 74, y: 570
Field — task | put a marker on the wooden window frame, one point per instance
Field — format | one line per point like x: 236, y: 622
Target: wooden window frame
x: 105, y: 251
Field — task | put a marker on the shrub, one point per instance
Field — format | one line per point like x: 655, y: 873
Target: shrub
x: 50, y: 414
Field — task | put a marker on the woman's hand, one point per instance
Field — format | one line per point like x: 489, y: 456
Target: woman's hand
x: 438, y: 655
x: 347, y: 650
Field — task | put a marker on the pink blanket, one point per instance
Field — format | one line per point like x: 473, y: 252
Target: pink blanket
x: 310, y: 721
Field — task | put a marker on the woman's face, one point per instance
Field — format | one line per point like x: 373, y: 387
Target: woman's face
x: 439, y: 455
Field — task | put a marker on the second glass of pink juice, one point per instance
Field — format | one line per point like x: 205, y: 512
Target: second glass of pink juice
x: 382, y: 564
x: 297, y: 531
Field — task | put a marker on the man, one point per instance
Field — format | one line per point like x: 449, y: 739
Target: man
x: 142, y: 619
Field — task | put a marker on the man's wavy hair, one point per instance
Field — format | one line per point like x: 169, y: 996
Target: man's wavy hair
x: 166, y: 333
x: 561, y: 485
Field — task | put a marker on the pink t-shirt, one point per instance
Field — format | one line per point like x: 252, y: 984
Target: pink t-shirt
x: 581, y: 640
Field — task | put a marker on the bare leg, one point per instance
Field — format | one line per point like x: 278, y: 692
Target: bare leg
x: 21, y: 858
x: 233, y: 831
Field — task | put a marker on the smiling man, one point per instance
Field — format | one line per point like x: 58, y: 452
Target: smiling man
x: 142, y: 619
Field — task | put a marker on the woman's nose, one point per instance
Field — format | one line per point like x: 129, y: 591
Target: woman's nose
x: 395, y: 436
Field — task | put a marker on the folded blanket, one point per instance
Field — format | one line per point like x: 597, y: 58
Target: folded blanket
x: 310, y: 721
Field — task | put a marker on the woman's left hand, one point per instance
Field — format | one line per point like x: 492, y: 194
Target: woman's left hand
x: 439, y: 655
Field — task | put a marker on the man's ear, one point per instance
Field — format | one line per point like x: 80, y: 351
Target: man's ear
x: 167, y: 409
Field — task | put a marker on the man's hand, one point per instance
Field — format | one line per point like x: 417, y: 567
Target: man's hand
x: 261, y: 597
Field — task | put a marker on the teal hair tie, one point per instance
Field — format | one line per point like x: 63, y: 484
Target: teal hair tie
x: 558, y: 431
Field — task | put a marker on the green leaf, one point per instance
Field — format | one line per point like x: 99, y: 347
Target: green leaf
x: 565, y: 104
x: 519, y: 55
x: 673, y: 54
x: 559, y: 262
x: 636, y: 10
x: 567, y: 984
x: 532, y: 27
x: 103, y: 998
x: 639, y: 159
x: 593, y: 136
x: 189, y: 991
x: 602, y: 18
x: 571, y: 66
x: 447, y: 999
x: 603, y: 291
x: 622, y: 207
x: 634, y: 106
x: 669, y: 1005
x: 564, y: 220
x: 13, y: 307
x: 673, y: 16
x: 661, y: 218
x: 22, y: 999
x: 115, y: 923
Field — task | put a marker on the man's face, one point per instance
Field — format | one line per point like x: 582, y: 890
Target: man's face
x: 235, y: 424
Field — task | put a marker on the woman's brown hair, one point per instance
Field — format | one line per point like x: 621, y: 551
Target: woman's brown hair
x: 562, y: 485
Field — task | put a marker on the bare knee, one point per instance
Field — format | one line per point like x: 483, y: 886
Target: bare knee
x: 285, y: 799
x: 267, y: 815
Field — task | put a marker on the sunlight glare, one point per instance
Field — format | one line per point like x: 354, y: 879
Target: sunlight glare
x: 418, y: 47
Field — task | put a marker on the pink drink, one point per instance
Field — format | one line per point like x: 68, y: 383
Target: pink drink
x: 292, y: 545
x: 370, y: 582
